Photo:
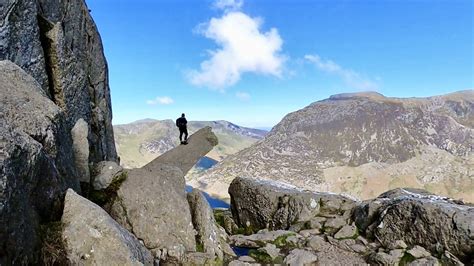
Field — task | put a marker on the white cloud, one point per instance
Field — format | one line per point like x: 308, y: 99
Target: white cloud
x: 160, y: 100
x: 242, y: 96
x: 243, y: 48
x: 349, y: 76
x: 228, y: 4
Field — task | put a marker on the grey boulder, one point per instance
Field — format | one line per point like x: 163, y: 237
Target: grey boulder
x: 419, y: 218
x: 106, y: 173
x: 92, y: 237
x: 262, y: 204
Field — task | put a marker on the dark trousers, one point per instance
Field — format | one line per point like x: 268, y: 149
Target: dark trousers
x: 183, y: 130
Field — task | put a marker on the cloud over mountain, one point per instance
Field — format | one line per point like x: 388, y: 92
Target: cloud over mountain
x: 243, y: 48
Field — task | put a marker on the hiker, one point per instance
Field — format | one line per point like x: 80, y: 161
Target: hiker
x: 181, y: 124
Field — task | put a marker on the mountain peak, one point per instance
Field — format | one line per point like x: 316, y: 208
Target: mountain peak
x: 365, y: 94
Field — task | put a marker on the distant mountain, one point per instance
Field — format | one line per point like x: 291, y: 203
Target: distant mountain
x: 141, y: 141
x: 364, y: 144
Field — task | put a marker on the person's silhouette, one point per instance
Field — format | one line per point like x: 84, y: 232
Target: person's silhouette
x: 181, y: 123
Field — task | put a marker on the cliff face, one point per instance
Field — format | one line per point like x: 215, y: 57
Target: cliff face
x: 364, y: 144
x: 57, y: 43
x: 53, y: 79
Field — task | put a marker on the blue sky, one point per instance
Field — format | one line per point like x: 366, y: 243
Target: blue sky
x: 252, y: 62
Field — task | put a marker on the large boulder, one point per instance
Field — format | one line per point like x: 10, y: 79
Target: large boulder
x: 92, y: 237
x: 210, y: 237
x: 152, y: 202
x: 258, y: 204
x: 36, y: 164
x: 58, y: 44
x: 418, y: 217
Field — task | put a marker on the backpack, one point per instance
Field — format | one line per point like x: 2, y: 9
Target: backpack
x: 180, y: 122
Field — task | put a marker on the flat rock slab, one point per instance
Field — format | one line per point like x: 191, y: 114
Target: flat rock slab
x: 92, y: 237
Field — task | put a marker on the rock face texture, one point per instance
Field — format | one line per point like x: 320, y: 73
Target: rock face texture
x: 35, y: 163
x: 57, y: 43
x: 92, y: 237
x: 261, y: 204
x: 152, y: 203
x: 58, y: 76
x: 419, y: 218
x: 364, y: 144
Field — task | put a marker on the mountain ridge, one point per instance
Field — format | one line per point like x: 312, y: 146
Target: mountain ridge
x: 348, y: 143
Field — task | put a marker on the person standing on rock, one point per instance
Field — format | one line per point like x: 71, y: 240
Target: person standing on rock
x: 181, y: 123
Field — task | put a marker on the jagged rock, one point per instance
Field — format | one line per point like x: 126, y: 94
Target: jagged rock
x: 382, y: 258
x: 347, y: 231
x: 246, y: 259
x: 300, y: 257
x: 152, y: 203
x: 309, y: 232
x: 210, y: 236
x: 261, y: 238
x: 398, y: 244
x: 418, y: 252
x: 79, y: 134
x: 449, y: 259
x: 424, y: 219
x: 57, y: 43
x: 316, y: 243
x: 316, y: 222
x: 260, y: 204
x: 332, y: 225
x: 35, y: 164
x: 106, y: 173
x: 428, y: 261
x: 331, y: 254
x: 92, y: 237
x: 199, y: 258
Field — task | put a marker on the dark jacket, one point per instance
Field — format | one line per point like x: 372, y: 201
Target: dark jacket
x: 181, y: 122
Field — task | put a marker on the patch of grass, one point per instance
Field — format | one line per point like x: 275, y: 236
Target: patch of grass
x: 281, y: 241
x: 53, y: 250
x: 248, y: 230
x: 219, y: 217
x: 260, y: 256
x: 199, y: 247
x: 406, y: 259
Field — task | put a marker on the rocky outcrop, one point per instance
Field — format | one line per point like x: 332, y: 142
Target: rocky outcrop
x: 259, y: 204
x: 92, y: 237
x: 210, y: 237
x: 419, y: 218
x: 400, y: 227
x: 152, y: 203
x: 35, y: 162
x: 58, y: 77
x: 57, y: 43
x: 363, y: 144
